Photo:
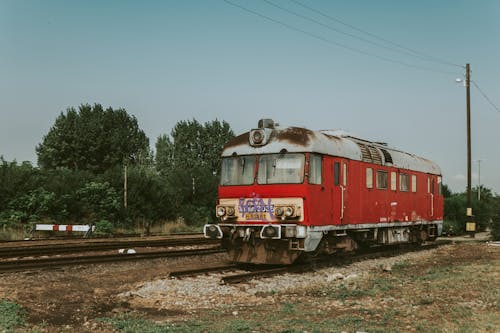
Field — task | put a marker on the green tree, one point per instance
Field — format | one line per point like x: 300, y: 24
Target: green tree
x: 455, y: 208
x: 99, y: 201
x: 189, y: 160
x: 495, y: 219
x: 93, y: 139
x: 16, y: 180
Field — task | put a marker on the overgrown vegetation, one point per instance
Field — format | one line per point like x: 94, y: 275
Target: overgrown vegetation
x: 486, y: 210
x: 12, y: 316
x: 81, y: 174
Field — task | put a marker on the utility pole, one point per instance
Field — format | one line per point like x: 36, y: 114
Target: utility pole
x: 125, y: 186
x: 471, y: 225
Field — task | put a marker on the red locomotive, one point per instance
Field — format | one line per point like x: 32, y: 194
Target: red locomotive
x: 290, y: 191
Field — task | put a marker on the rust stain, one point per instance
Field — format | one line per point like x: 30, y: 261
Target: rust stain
x: 332, y: 137
x: 296, y: 135
x: 241, y: 139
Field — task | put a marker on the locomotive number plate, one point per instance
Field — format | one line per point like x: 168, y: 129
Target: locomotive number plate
x: 256, y: 216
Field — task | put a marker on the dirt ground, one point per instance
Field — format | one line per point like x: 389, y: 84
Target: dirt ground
x: 74, y: 298
x: 71, y: 298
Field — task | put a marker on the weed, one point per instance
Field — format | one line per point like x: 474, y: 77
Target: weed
x: 425, y: 328
x: 288, y: 308
x: 383, y: 284
x: 344, y: 293
x: 238, y: 325
x: 12, y: 315
x: 401, y: 266
x: 461, y: 312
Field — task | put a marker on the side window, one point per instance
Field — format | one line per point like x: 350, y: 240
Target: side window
x: 440, y: 185
x: 432, y: 185
x: 382, y: 179
x: 414, y: 183
x: 394, y: 186
x: 336, y: 173
x: 344, y: 175
x: 315, y: 167
x: 404, y: 182
x: 428, y: 184
x: 369, y: 178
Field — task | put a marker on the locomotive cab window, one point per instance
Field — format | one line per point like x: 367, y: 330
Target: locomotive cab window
x: 281, y: 169
x: 404, y: 182
x: 381, y: 179
x: 315, y: 168
x: 238, y: 170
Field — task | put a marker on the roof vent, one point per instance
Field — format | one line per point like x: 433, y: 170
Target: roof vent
x: 266, y: 123
x: 370, y: 154
x: 387, y: 156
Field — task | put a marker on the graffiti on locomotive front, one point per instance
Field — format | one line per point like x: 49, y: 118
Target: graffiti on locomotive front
x: 256, y: 209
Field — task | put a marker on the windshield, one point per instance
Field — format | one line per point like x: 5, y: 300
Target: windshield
x: 237, y: 170
x: 281, y: 169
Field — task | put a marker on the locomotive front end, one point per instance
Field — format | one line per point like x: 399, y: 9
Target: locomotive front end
x: 260, y: 230
x: 260, y: 210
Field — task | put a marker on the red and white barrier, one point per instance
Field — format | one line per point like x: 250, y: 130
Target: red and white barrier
x: 63, y: 227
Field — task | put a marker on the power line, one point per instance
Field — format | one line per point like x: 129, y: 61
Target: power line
x: 485, y: 96
x: 328, y: 41
x: 414, y: 52
x: 308, y: 18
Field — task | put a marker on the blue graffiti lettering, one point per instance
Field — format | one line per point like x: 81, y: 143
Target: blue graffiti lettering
x: 256, y: 209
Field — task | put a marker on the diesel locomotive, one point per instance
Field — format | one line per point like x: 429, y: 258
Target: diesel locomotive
x: 291, y: 192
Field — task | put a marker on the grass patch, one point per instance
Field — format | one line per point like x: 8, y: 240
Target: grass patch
x: 130, y: 324
x: 401, y: 266
x: 341, y: 292
x: 12, y: 315
x: 288, y: 308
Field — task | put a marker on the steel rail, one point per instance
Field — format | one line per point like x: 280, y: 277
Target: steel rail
x: 47, y: 249
x: 19, y: 265
x: 201, y: 270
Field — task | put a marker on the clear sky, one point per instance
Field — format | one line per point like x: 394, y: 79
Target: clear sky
x: 165, y: 61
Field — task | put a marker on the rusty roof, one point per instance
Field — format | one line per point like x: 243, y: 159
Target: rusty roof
x: 334, y: 143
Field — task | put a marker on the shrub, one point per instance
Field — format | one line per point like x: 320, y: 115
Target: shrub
x: 104, y: 228
x: 453, y: 227
x: 495, y: 229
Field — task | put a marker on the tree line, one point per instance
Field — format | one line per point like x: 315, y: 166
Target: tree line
x: 81, y: 174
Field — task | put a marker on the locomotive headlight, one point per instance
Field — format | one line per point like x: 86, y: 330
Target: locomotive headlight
x: 230, y: 211
x: 289, y: 211
x: 257, y: 137
x: 221, y: 211
x: 278, y: 211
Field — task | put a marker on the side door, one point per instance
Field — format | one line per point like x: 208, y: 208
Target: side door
x: 339, y: 191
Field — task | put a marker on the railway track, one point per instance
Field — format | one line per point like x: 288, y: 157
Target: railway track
x: 71, y: 247
x: 312, y: 265
x: 45, y: 263
x: 202, y: 270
